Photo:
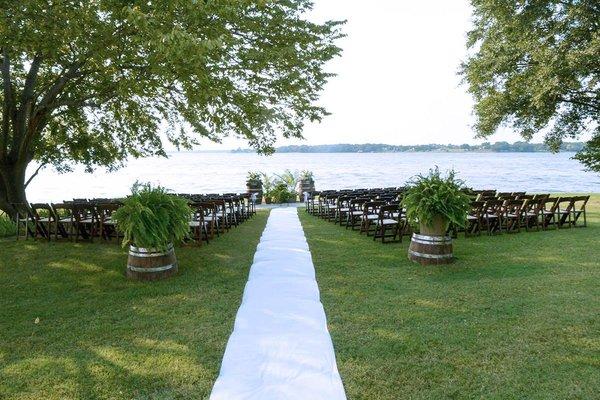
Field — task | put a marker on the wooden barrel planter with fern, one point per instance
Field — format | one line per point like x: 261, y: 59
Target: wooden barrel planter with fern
x: 432, y: 202
x: 151, y: 264
x: 151, y: 221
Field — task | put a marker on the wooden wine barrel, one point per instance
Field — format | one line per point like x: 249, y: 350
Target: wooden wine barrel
x: 151, y: 264
x: 430, y: 250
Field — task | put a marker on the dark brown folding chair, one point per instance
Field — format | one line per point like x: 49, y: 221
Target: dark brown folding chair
x: 579, y: 203
x: 564, y: 211
x: 106, y: 225
x: 548, y: 212
x: 531, y: 214
x: 369, y: 216
x: 389, y: 218
x: 475, y: 218
x: 24, y: 219
x: 493, y: 216
x: 199, y: 226
x: 342, y: 209
x: 42, y: 220
x: 512, y: 215
x: 355, y: 212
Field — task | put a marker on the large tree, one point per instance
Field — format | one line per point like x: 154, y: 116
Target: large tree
x: 95, y: 82
x: 534, y: 66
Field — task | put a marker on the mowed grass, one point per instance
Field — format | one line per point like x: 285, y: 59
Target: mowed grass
x: 516, y: 317
x: 72, y: 326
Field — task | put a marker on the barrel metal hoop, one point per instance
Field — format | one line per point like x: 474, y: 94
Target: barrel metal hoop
x: 431, y: 256
x: 156, y: 269
x: 414, y: 240
x: 432, y: 239
x: 143, y: 252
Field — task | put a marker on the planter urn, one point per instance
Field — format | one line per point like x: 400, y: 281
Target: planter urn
x: 255, y: 187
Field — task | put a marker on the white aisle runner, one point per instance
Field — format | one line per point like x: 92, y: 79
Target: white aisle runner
x: 280, y: 348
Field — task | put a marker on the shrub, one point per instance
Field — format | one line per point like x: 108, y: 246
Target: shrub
x: 7, y: 227
x: 254, y: 177
x: 281, y: 193
x: 430, y: 195
x: 306, y: 175
x: 153, y: 218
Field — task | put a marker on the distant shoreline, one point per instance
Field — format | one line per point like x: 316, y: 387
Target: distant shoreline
x: 498, y: 147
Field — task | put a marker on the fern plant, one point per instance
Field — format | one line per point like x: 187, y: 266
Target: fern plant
x: 153, y: 218
x: 434, y: 195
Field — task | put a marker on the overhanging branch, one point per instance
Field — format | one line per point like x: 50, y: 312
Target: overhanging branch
x: 37, y: 171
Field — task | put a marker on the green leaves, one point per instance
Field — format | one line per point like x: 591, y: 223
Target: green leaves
x: 432, y: 195
x: 251, y: 69
x: 535, y: 66
x: 152, y: 218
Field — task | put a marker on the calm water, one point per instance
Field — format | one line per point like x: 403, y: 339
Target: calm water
x: 196, y: 172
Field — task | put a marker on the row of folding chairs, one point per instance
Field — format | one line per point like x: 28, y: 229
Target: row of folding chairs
x: 512, y: 213
x: 78, y: 219
x: 374, y: 212
x: 371, y: 211
x: 215, y: 214
x: 83, y: 219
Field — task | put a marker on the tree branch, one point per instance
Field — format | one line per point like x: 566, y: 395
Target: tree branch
x: 40, y: 112
x: 37, y: 171
x: 9, y: 105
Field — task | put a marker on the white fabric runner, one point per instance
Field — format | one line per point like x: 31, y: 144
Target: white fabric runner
x: 280, y: 348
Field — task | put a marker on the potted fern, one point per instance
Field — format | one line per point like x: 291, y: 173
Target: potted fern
x: 152, y: 221
x: 432, y: 202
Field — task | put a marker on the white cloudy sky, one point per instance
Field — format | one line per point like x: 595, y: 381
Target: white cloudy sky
x: 397, y: 78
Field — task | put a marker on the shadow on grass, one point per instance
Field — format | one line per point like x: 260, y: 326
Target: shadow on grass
x: 74, y: 327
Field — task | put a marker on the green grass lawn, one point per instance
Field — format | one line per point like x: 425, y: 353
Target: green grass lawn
x: 100, y: 336
x: 516, y: 317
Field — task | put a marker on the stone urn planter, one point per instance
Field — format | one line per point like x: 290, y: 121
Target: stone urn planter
x: 431, y: 246
x: 255, y: 186
x: 304, y: 185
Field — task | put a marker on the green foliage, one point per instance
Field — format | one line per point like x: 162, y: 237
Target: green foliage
x: 153, y: 218
x: 7, y: 227
x: 281, y: 193
x: 96, y: 82
x: 288, y: 178
x: 267, y: 184
x: 433, y: 194
x: 253, y: 176
x: 535, y: 66
x: 306, y: 175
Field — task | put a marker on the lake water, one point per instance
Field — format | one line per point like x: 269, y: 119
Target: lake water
x: 198, y: 172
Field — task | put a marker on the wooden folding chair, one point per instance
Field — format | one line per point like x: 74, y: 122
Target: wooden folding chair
x: 370, y: 215
x: 548, y: 212
x: 512, y: 215
x: 579, y: 203
x: 389, y: 217
x: 355, y: 212
x: 531, y: 214
x: 564, y: 211
x: 475, y: 218
x: 493, y: 216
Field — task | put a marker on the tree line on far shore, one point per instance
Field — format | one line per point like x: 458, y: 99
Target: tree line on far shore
x: 497, y: 147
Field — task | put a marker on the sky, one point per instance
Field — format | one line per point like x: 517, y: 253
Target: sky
x: 397, y: 80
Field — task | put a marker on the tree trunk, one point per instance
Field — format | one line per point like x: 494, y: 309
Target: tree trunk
x: 12, y: 187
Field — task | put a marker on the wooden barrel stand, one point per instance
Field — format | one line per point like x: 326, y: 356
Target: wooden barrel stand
x: 151, y: 264
x: 430, y: 250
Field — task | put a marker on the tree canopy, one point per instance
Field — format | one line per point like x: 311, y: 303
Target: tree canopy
x: 93, y: 82
x: 534, y: 66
